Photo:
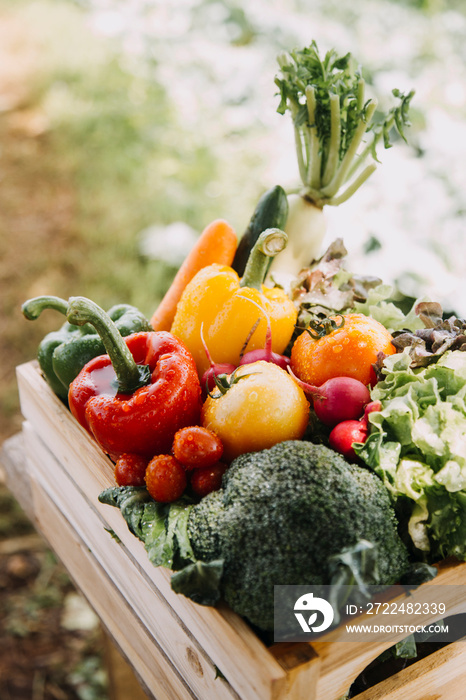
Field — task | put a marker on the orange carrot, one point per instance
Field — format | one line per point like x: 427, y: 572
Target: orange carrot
x: 216, y: 244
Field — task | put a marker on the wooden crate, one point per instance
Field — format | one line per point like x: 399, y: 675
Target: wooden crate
x: 176, y: 647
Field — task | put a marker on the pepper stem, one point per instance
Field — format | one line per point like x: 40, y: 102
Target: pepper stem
x: 32, y: 308
x: 271, y: 242
x: 130, y: 376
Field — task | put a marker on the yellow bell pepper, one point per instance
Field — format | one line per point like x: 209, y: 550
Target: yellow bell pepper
x: 216, y: 299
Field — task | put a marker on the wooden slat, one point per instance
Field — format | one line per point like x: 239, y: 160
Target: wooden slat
x: 440, y: 676
x: 66, y: 439
x: 122, y: 681
x: 302, y: 666
x: 157, y: 618
x: 112, y: 608
x: 16, y: 476
x: 13, y: 461
x: 343, y: 661
x: 252, y: 671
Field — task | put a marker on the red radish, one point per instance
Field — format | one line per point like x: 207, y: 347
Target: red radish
x: 343, y: 436
x: 336, y: 400
x: 208, y: 382
x: 372, y: 406
x: 347, y: 432
x: 266, y: 352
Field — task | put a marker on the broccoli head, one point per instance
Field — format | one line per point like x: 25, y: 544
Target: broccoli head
x: 280, y: 515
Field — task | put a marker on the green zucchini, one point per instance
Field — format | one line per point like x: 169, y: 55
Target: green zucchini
x: 271, y: 212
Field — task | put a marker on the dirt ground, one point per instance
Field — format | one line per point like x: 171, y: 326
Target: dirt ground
x: 36, y: 212
x: 42, y: 655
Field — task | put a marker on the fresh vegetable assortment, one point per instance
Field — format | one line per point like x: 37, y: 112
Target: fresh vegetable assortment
x: 283, y: 421
x: 283, y: 516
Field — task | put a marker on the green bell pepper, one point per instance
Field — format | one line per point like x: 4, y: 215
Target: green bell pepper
x: 63, y: 353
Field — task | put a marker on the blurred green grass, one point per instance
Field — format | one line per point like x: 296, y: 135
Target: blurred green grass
x: 115, y: 135
x: 110, y: 157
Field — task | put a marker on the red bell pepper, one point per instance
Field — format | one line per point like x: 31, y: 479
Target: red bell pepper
x: 135, y: 398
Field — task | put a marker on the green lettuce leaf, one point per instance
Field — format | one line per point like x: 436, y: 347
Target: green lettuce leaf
x: 200, y: 581
x: 412, y: 477
x: 132, y: 501
x: 164, y: 530
x: 162, y: 527
x: 379, y: 306
x: 417, y: 445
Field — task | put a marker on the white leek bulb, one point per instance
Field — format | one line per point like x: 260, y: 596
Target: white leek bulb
x: 305, y: 228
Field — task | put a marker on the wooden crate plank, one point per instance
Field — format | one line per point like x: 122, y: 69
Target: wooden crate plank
x: 16, y: 475
x: 66, y: 439
x: 341, y: 662
x: 302, y: 666
x: 440, y: 676
x: 160, y: 622
x: 123, y: 682
x: 148, y: 659
x: 217, y: 629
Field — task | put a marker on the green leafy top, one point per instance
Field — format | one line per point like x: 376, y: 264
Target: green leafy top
x: 327, y: 289
x: 326, y: 98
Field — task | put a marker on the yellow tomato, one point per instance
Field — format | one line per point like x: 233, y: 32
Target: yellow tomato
x: 263, y: 406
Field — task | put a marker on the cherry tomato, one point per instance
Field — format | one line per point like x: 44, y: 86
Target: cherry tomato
x: 130, y: 470
x: 207, y: 479
x: 165, y: 478
x: 347, y: 351
x: 263, y: 406
x: 197, y: 447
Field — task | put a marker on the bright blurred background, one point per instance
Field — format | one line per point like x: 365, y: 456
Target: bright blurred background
x: 120, y: 118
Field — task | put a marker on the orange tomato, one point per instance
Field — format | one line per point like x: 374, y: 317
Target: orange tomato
x: 348, y: 351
